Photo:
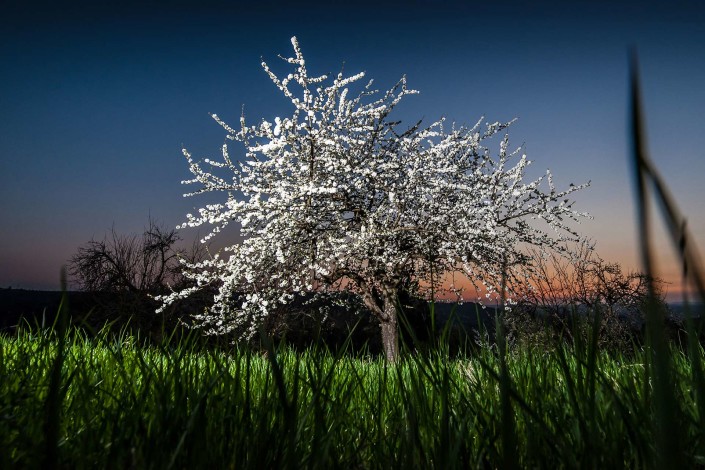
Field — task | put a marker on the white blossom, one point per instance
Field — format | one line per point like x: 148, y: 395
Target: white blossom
x: 339, y: 196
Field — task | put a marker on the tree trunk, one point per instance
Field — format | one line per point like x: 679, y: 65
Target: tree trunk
x: 390, y: 334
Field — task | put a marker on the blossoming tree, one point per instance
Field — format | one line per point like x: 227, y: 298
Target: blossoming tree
x: 338, y: 196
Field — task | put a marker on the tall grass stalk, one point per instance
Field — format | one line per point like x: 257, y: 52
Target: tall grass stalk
x: 668, y: 417
x: 55, y: 395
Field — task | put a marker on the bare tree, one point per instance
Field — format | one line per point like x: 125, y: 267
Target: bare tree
x: 123, y: 273
x: 147, y: 264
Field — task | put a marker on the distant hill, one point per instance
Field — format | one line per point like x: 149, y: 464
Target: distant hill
x: 41, y: 307
x: 468, y: 315
x: 681, y: 310
x: 35, y: 305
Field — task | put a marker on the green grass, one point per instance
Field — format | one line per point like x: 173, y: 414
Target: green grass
x: 121, y: 405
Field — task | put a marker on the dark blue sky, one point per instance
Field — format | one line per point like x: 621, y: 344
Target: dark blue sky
x: 96, y: 102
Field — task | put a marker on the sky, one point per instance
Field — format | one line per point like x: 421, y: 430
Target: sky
x: 97, y: 101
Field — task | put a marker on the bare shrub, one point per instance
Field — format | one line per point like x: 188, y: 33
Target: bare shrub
x: 566, y: 294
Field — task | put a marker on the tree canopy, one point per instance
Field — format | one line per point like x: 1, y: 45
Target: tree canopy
x: 338, y: 195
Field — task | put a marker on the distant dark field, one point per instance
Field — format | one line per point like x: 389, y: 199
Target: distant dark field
x: 39, y: 307
x: 19, y: 306
x: 35, y: 305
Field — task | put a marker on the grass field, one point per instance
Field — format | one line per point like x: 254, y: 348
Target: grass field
x: 79, y: 402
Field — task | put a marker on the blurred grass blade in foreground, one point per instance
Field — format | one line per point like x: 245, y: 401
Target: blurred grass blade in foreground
x: 667, y: 418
